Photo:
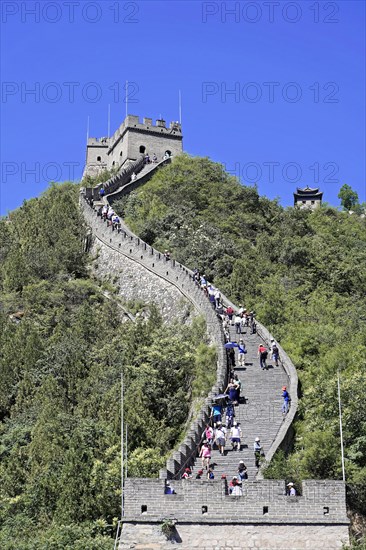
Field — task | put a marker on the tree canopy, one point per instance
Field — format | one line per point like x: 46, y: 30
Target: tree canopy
x: 63, y: 349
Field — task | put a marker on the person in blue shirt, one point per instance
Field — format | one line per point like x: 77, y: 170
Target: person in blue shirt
x: 286, y: 400
x: 216, y: 412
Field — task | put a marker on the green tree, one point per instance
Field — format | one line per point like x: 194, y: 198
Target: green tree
x: 349, y: 197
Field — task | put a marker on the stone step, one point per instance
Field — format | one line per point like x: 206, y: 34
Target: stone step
x: 259, y: 411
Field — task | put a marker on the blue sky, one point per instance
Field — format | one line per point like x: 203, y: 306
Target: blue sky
x: 273, y: 90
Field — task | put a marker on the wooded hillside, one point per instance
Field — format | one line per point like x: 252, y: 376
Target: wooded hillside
x: 63, y: 349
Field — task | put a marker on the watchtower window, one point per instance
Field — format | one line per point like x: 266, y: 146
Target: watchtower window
x: 99, y: 159
x: 142, y: 149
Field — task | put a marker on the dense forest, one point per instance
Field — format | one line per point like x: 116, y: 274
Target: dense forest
x: 303, y: 272
x: 64, y: 345
x: 63, y: 349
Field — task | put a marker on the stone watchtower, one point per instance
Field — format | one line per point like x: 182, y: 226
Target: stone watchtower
x: 131, y: 140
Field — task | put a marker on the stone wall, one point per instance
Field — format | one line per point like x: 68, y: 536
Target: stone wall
x: 133, y: 185
x: 263, y: 501
x: 136, y: 283
x: 211, y: 536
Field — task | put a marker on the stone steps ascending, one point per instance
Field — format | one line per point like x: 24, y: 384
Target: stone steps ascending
x: 259, y: 411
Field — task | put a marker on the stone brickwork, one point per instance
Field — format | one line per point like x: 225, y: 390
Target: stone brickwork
x: 262, y: 501
x: 135, y: 282
x: 211, y: 536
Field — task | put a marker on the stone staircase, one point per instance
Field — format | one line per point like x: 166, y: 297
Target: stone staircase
x: 259, y: 412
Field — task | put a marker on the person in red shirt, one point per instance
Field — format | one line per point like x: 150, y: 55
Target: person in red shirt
x: 262, y: 354
x: 230, y: 312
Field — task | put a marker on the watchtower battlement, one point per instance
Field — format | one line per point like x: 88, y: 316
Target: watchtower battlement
x: 132, y: 139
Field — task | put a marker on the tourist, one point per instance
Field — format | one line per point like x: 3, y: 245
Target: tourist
x: 231, y: 356
x: 101, y: 193
x: 257, y: 451
x: 205, y: 455
x: 241, y: 353
x: 252, y: 323
x: 242, y: 471
x: 166, y: 255
x: 116, y: 224
x: 291, y: 491
x: 232, y: 391
x: 199, y: 474
x: 209, y: 434
x: 237, y: 382
x: 220, y: 438
x: 235, y: 435
x: 235, y: 488
x: 286, y: 400
x: 168, y: 489
x: 217, y: 298
x: 187, y: 473
x: 210, y: 473
x: 230, y: 313
x: 133, y: 176
x: 237, y: 323
x: 155, y: 159
x: 262, y: 354
x: 211, y: 295
x: 245, y: 319
x: 274, y: 351
x: 216, y: 413
x: 230, y: 415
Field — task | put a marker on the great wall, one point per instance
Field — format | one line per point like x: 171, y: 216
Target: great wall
x: 201, y: 513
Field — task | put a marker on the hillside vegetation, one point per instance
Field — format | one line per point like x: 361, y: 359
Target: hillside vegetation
x: 63, y: 349
x: 303, y: 272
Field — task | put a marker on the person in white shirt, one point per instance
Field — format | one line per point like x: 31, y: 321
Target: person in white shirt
x: 237, y: 323
x: 235, y: 435
x: 291, y: 491
x: 274, y: 351
x: 217, y: 298
x: 220, y: 437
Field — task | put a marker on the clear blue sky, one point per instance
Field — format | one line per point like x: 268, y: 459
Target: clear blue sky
x: 295, y: 117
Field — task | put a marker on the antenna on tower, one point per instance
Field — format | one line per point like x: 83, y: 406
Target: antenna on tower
x: 126, y: 100
x: 87, y: 130
x: 180, y: 107
x: 109, y: 120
